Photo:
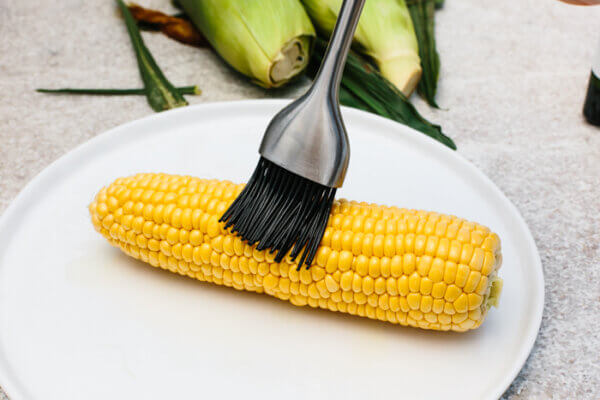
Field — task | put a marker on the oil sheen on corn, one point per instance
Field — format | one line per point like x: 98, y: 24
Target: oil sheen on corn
x: 407, y: 267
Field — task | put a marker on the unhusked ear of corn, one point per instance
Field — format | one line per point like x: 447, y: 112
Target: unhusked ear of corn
x: 406, y: 267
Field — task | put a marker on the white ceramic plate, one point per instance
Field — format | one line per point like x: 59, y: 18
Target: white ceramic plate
x: 80, y: 320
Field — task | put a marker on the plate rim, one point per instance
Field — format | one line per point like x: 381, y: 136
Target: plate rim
x: 21, y: 202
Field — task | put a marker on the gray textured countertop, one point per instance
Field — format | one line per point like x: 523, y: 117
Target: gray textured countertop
x: 513, y: 78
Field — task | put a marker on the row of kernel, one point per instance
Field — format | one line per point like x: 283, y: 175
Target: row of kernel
x: 408, y: 223
x: 142, y: 218
x: 354, y: 208
x: 162, y: 182
x: 458, y: 259
x: 450, y: 302
x: 389, y: 241
x: 364, y: 289
x: 413, y: 318
x: 475, y: 315
x: 163, y: 191
x: 167, y: 184
x: 250, y: 282
x: 343, y: 206
x: 223, y: 193
x: 170, y: 213
x: 369, y: 290
x: 389, y: 245
x: 413, y: 274
x: 184, y: 243
x: 206, y: 273
x: 416, y: 220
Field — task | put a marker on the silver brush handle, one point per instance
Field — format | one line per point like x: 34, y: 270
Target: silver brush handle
x: 330, y: 73
x: 308, y: 136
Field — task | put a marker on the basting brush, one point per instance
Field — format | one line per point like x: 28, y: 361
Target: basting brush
x: 304, y: 157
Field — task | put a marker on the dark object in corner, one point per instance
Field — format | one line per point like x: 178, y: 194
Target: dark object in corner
x: 591, y: 108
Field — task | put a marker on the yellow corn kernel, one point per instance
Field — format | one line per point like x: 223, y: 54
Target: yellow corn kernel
x: 474, y: 300
x: 391, y: 286
x: 462, y: 274
x: 368, y: 285
x: 426, y: 286
x: 374, y: 267
x: 461, y: 304
x: 430, y: 317
x: 396, y: 266
x: 346, y: 280
x: 424, y: 265
x: 472, y: 282
x: 303, y: 289
x: 380, y: 285
x: 404, y: 306
x: 438, y: 306
x: 491, y: 243
x: 284, y: 285
x: 357, y: 283
x: 408, y: 263
x: 449, y: 309
x: 331, y: 284
x: 362, y: 265
x: 332, y: 262
x: 443, y: 248
x: 426, y: 303
x: 345, y: 260
x: 372, y: 299
x: 483, y: 286
x: 270, y: 282
x: 386, y: 267
x: 476, y: 262
x: 452, y: 293
x: 336, y: 296
x: 322, y: 288
x: 459, y: 317
x: 438, y: 290
x: 347, y: 296
x: 403, y: 288
x: 436, y: 272
x: 322, y: 256
x: 475, y: 314
x: 414, y: 300
x: 317, y: 273
x: 360, y: 298
x: 336, y: 276
x: 450, y: 272
x: 414, y: 282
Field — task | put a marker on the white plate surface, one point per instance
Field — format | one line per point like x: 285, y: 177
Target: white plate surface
x: 80, y: 320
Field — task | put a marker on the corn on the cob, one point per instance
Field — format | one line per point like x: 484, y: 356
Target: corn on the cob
x: 403, y: 266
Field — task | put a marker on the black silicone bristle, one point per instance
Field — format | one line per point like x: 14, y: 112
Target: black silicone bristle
x: 281, y: 211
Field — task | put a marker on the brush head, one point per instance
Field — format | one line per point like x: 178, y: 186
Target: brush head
x: 281, y: 211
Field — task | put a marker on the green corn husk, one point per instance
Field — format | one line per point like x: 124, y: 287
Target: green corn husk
x: 385, y: 33
x: 161, y: 94
x: 267, y: 40
x: 193, y: 90
x: 364, y: 88
x: 421, y: 12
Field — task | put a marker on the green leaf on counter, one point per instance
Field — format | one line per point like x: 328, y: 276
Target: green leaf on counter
x: 439, y: 4
x: 347, y: 98
x: 364, y: 88
x: 422, y: 14
x: 161, y: 94
x: 192, y: 90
